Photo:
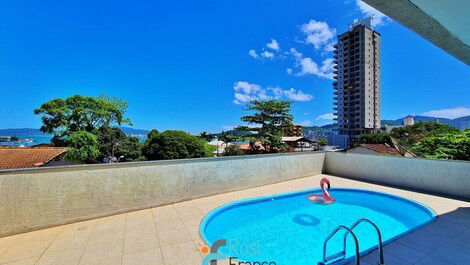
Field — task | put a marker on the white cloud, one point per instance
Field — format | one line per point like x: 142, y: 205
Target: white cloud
x: 378, y: 18
x: 253, y: 54
x: 448, y: 113
x: 327, y: 65
x: 245, y: 92
x: 261, y: 56
x: 264, y: 54
x: 297, y: 95
x: 289, y: 71
x: 328, y: 116
x: 296, y: 54
x: 309, y: 67
x: 267, y: 54
x: 246, y: 88
x: 273, y: 45
x: 318, y: 33
x: 329, y: 47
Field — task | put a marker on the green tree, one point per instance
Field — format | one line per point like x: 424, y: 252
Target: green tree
x: 322, y: 141
x: 173, y: 145
x: 206, y: 136
x: 445, y: 146
x: 269, y: 117
x: 83, y: 147
x: 130, y: 149
x: 233, y: 150
x: 414, y: 133
x: 227, y: 137
x: 209, y: 150
x: 113, y: 142
x: 375, y: 138
x: 63, y: 117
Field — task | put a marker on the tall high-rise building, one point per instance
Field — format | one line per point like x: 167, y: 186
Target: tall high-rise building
x: 357, y: 81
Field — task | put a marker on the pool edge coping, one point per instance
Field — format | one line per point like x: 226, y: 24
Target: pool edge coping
x: 229, y: 205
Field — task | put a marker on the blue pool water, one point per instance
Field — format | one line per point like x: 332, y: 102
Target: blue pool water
x: 290, y: 230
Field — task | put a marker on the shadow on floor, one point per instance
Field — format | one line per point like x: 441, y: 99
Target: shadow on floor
x: 444, y: 241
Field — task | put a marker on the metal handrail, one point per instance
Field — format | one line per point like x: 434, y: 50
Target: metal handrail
x: 348, y: 231
x: 381, y: 254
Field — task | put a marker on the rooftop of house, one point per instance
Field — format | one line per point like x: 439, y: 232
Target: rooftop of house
x: 294, y: 139
x: 247, y: 146
x: 381, y: 148
x: 28, y: 157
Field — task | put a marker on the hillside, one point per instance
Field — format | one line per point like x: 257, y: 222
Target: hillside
x: 21, y: 131
x: 233, y: 132
x: 132, y: 131
x: 317, y: 131
x: 36, y: 132
x: 459, y: 123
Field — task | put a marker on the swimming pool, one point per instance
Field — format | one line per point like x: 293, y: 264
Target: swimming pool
x: 288, y: 229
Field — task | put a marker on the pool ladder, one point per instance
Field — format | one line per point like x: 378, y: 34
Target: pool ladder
x: 340, y: 256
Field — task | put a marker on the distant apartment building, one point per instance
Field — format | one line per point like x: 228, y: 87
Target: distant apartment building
x: 292, y: 131
x: 357, y: 82
x: 389, y: 128
x: 408, y: 121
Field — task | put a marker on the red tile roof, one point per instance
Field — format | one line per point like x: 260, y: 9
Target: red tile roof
x: 381, y: 148
x: 247, y: 146
x: 27, y: 157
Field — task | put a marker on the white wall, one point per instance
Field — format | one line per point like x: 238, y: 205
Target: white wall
x: 451, y: 178
x: 37, y: 198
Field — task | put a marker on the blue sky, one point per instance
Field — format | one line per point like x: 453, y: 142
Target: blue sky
x: 190, y: 65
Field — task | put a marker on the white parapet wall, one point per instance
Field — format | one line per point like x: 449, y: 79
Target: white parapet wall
x: 36, y: 198
x: 450, y: 178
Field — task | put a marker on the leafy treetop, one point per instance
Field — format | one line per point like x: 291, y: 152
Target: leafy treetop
x: 414, y: 133
x: 322, y: 141
x: 269, y: 118
x: 63, y: 117
x: 454, y: 146
x: 206, y: 136
x: 410, y: 134
x: 227, y: 137
x: 83, y: 147
x: 427, y: 139
x: 114, y: 143
x: 173, y: 145
x: 375, y: 138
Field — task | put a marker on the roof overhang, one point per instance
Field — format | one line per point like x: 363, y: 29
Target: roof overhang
x: 295, y: 139
x: 444, y: 23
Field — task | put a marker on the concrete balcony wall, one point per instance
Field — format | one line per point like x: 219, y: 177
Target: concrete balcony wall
x: 450, y: 178
x: 36, y: 198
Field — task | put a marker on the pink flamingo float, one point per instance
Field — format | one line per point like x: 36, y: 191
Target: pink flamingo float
x: 324, y: 198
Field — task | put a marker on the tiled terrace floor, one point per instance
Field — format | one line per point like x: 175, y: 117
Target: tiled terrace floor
x: 168, y: 235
